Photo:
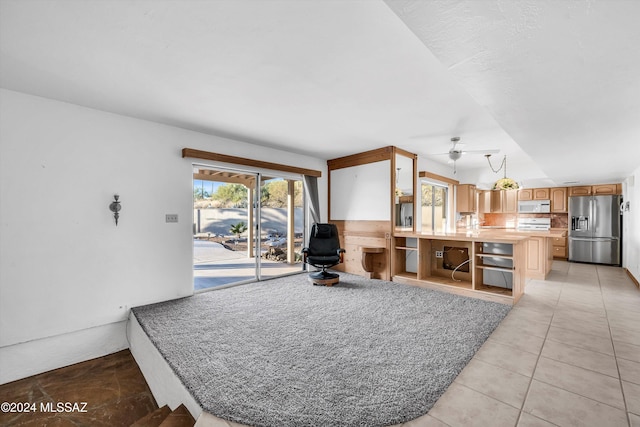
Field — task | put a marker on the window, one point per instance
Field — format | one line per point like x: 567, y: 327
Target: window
x: 434, y: 207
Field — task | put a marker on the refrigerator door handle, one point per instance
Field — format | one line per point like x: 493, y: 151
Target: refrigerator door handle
x: 594, y: 210
x: 593, y: 239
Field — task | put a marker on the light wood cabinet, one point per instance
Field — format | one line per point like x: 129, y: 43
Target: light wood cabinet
x: 484, y: 201
x: 539, y: 257
x: 533, y: 194
x: 560, y: 252
x: 510, y: 201
x: 580, y: 191
x: 504, y: 201
x: 559, y: 247
x: 558, y: 199
x: 466, y: 198
x: 603, y: 189
x: 496, y: 201
x: 540, y: 194
x: 489, y: 270
x: 597, y: 190
x: 525, y: 194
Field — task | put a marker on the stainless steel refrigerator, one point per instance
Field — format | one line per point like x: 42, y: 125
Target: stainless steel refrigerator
x: 594, y: 229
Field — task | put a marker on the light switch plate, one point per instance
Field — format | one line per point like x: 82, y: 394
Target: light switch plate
x: 171, y: 218
x: 439, y: 254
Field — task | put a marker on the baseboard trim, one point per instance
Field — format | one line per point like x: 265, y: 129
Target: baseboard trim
x: 23, y: 360
x: 633, y: 279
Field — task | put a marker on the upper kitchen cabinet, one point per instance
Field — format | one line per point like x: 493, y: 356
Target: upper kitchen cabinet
x: 484, y: 201
x: 580, y: 191
x: 602, y: 189
x: 558, y: 199
x: 533, y: 194
x: 525, y: 194
x: 504, y: 201
x: 540, y: 194
x: 465, y: 198
x: 597, y: 190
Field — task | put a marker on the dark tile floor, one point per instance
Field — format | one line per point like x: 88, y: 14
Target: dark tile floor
x: 112, y: 387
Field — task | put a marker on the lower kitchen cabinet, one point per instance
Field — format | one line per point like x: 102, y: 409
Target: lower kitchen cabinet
x: 560, y: 247
x: 539, y: 257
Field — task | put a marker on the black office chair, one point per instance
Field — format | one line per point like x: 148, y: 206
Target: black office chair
x: 324, y: 251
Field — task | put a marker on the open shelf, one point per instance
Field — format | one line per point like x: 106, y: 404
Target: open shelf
x: 482, y: 255
x: 495, y: 267
x: 408, y: 275
x: 492, y: 275
x: 494, y: 290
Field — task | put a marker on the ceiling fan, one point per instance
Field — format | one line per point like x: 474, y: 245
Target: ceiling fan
x: 455, y: 153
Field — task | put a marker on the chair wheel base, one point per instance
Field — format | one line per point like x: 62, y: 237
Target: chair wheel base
x: 324, y: 278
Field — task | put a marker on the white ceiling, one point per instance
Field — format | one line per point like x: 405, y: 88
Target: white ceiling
x: 553, y: 84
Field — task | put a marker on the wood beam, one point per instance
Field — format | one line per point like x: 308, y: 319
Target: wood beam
x: 216, y: 157
x: 378, y: 155
x: 425, y: 174
x: 240, y: 179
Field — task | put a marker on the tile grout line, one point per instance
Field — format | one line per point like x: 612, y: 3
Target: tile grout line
x: 526, y: 395
x: 624, y: 399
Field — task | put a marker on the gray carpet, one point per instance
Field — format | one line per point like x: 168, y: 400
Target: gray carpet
x: 286, y: 353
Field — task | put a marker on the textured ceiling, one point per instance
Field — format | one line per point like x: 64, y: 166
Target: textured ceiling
x: 553, y: 85
x: 562, y: 78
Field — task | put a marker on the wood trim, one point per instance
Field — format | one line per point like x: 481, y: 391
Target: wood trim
x: 633, y: 279
x: 372, y: 156
x: 405, y: 153
x: 392, y: 195
x: 206, y: 155
x: 248, y: 182
x: 425, y: 174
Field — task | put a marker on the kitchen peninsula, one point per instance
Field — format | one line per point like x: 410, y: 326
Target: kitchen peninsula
x: 491, y: 264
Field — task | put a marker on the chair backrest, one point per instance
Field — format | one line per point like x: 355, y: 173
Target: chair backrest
x: 324, y: 240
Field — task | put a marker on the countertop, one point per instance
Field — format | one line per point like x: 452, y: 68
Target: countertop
x: 507, y: 235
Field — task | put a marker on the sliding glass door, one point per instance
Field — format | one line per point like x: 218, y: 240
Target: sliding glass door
x: 282, y: 224
x: 247, y: 226
x: 434, y: 207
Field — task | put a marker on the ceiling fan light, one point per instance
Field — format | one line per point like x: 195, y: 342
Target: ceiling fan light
x: 455, y: 155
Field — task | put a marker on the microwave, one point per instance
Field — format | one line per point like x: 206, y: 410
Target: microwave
x: 534, y: 206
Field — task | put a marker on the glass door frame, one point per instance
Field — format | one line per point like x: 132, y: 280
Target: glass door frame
x: 445, y: 207
x: 255, y: 216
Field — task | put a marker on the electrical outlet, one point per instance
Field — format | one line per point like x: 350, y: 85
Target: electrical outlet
x: 123, y: 311
x: 171, y: 218
x: 439, y: 254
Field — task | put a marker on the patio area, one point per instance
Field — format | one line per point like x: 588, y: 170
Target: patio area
x: 214, y: 265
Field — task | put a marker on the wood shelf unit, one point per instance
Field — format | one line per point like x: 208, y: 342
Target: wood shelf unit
x: 430, y: 271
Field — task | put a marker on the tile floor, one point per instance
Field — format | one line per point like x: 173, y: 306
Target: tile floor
x: 568, y: 354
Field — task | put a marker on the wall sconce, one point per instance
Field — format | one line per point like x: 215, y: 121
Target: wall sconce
x: 115, y: 207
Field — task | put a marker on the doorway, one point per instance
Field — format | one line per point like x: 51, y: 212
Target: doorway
x: 247, y: 226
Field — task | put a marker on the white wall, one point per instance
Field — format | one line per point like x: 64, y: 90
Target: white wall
x: 631, y: 224
x: 64, y: 266
x: 362, y: 192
